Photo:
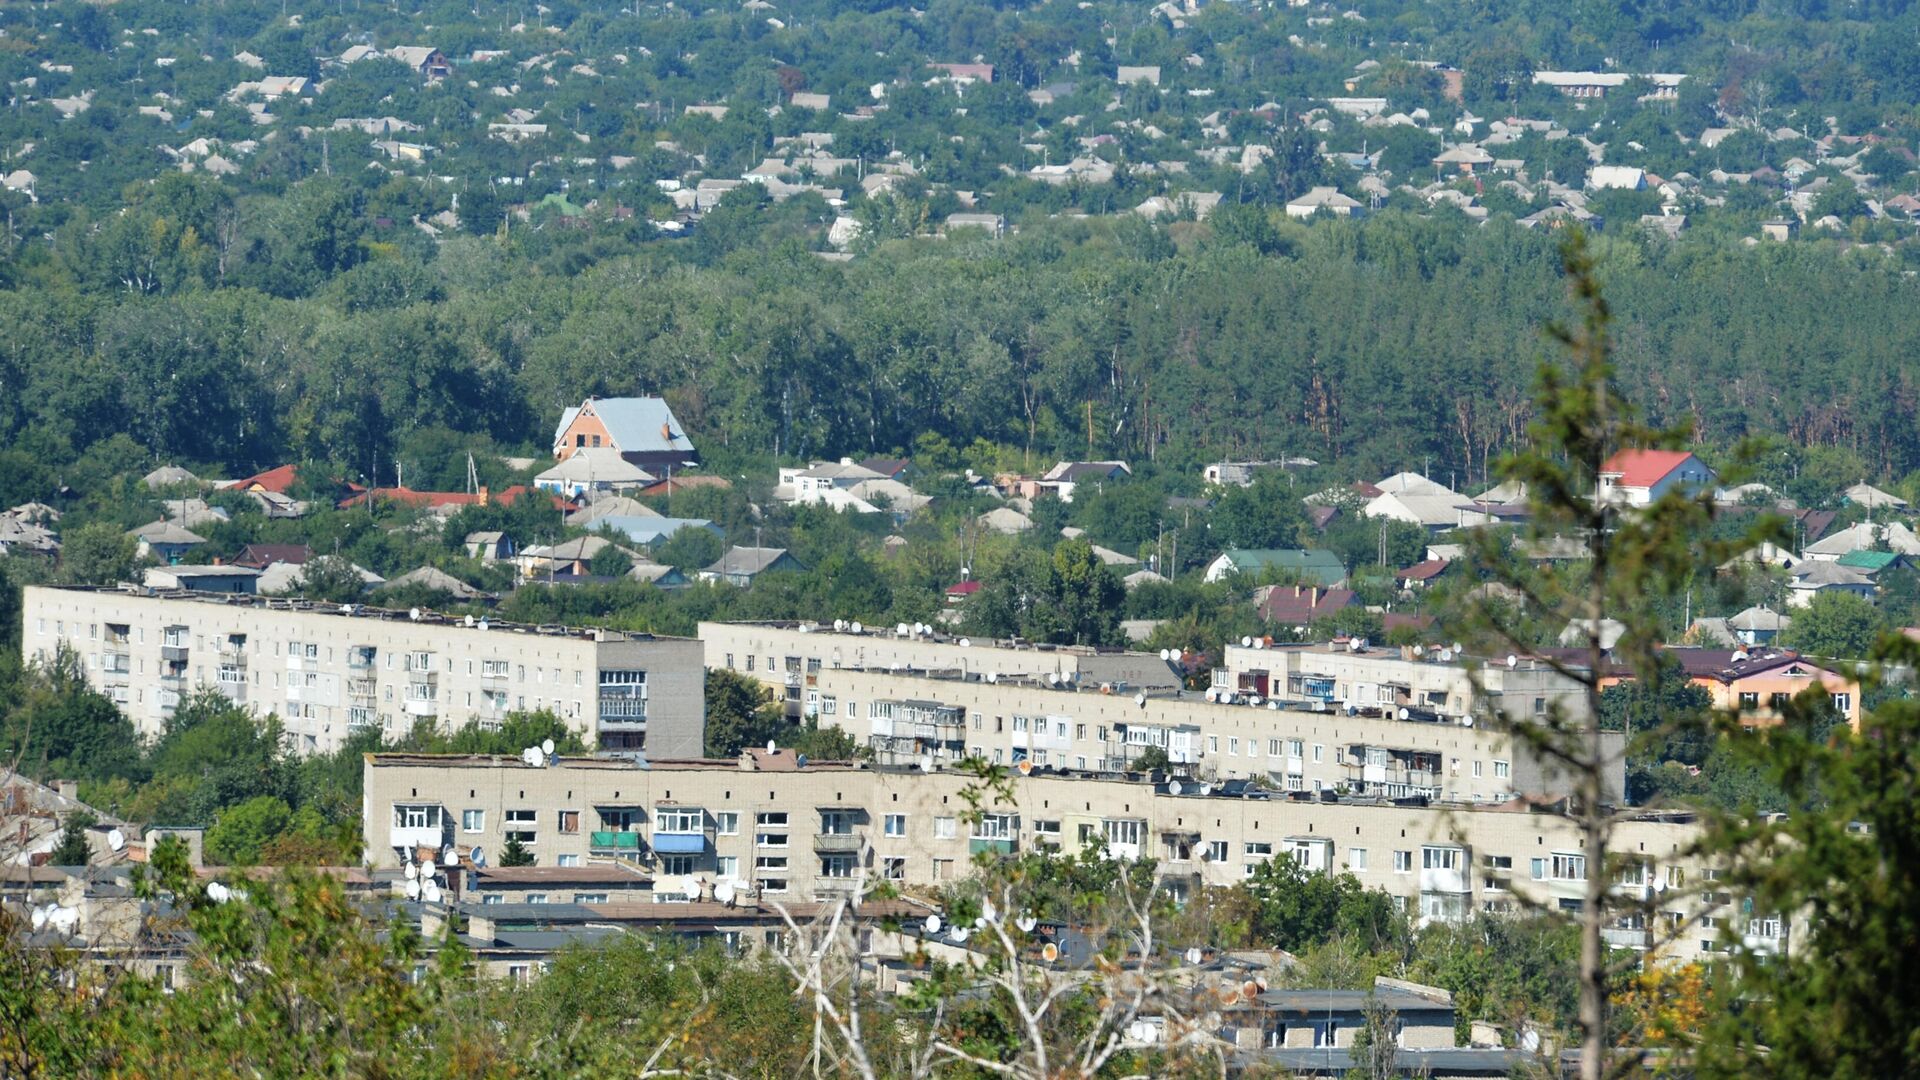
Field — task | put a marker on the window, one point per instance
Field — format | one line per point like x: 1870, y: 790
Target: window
x: 1216, y: 851
x: 727, y: 822
x: 416, y: 815
x: 1440, y: 858
x: 1357, y: 860
x: 590, y: 898
x: 473, y: 821
x: 944, y: 828
x: 1676, y: 877
x: 1476, y: 769
x: 679, y: 819
x: 1125, y: 831
x: 1502, y: 770
x: 896, y: 825
x: 569, y: 821
x: 726, y: 866
x: 1749, y: 699
x: 836, y: 866
x: 894, y: 868
x: 566, y: 860
x: 1498, y: 869
x: 1538, y: 869
x: 1843, y: 702
x: 1569, y: 867
x: 520, y: 817
x: 1403, y: 862
x: 1233, y: 747
x: 1325, y: 1032
x: 536, y: 898
x: 1318, y: 750
x: 493, y: 898
x: 1258, y: 850
x: 771, y: 829
x: 676, y: 865
x: 997, y: 827
x: 1046, y: 828
x: 1273, y: 747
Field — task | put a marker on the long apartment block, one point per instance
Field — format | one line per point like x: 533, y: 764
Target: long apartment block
x: 788, y: 657
x: 907, y: 719
x: 327, y: 669
x: 1436, y: 684
x: 771, y: 827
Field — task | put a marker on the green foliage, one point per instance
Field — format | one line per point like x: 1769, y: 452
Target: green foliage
x: 1503, y: 970
x: 73, y: 848
x: 97, y: 553
x: 515, y: 853
x: 740, y: 713
x: 240, y: 831
x: 515, y: 732
x: 1294, y: 907
x: 1837, y: 624
x: 57, y: 726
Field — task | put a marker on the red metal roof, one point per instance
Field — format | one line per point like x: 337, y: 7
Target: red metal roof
x: 964, y: 588
x: 276, y: 480
x: 1643, y: 468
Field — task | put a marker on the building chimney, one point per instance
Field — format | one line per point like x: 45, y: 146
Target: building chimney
x: 483, y: 495
x: 68, y: 789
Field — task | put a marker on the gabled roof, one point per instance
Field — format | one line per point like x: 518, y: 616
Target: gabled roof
x: 1424, y: 571
x: 1759, y: 618
x: 165, y: 532
x: 277, y: 480
x: 1314, y: 564
x: 260, y: 556
x: 438, y: 580
x: 596, y: 465
x: 1825, y: 575
x: 1300, y: 604
x: 1411, y: 483
x: 748, y: 561
x: 1643, y: 468
x: 638, y: 425
x: 1868, y: 562
x: 1873, y: 498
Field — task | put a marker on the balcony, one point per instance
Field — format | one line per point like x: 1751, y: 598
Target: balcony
x: 234, y: 692
x: 1440, y: 880
x: 411, y: 837
x: 978, y: 844
x: 833, y: 888
x: 681, y: 843
x: 1763, y: 944
x: 174, y: 653
x: 846, y: 843
x: 423, y: 708
x: 614, y: 843
x: 1618, y: 937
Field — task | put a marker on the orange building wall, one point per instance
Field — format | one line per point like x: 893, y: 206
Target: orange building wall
x: 583, y: 424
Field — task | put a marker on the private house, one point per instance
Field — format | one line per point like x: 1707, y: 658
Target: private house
x: 1326, y: 199
x: 1810, y: 579
x: 1064, y: 478
x: 1616, y: 178
x: 1422, y: 574
x: 168, y: 476
x: 1756, y: 626
x: 1596, y: 84
x: 1300, y: 605
x: 435, y: 580
x: 652, y: 531
x: 261, y: 556
x: 423, y: 59
x: 960, y: 591
x: 1873, y: 498
x: 1760, y: 681
x: 1862, y: 537
x: 164, y: 541
x: 278, y: 480
x: 643, y: 430
x: 490, y: 546
x: 21, y: 536
x: 1290, y: 1029
x: 1127, y: 76
x: 591, y: 472
x: 1638, y: 477
x: 1005, y: 520
x: 570, y: 558
x: 815, y: 483
x: 1870, y: 564
x: 742, y: 565
x: 221, y: 579
x: 1312, y: 566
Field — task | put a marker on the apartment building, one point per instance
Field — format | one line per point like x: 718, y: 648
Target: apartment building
x: 907, y: 719
x: 1438, y: 684
x: 769, y: 826
x: 789, y: 656
x: 328, y: 669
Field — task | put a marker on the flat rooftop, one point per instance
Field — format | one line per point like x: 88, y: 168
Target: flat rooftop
x: 367, y: 612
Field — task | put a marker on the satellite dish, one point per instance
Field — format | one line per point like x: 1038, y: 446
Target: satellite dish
x: 531, y: 756
x: 1249, y: 989
x: 410, y: 871
x: 39, y: 918
x: 693, y: 888
x: 1053, y: 678
x: 1025, y: 767
x: 468, y: 620
x: 1273, y: 706
x: 64, y: 919
x: 1259, y: 643
x: 1466, y: 721
x: 1026, y: 923
x: 1246, y: 642
x: 1206, y: 789
x: 431, y: 894
x: 1166, y: 654
x: 427, y: 866
x: 1173, y: 787
x: 900, y: 629
x: 546, y: 746
x: 1254, y: 700
x: 479, y: 857
x: 932, y: 924
x: 482, y: 624
x: 926, y: 763
x: 1419, y: 650
x: 1446, y: 656
x: 1404, y: 714
x: 1140, y: 699
x: 989, y: 912
x: 772, y: 746
x: 1458, y: 648
x: 413, y: 890
x: 993, y: 676
x: 959, y: 935
x: 1049, y: 952
x: 1194, y: 955
x: 116, y: 840
x: 1512, y: 660
x: 723, y: 892
x: 966, y: 643
x: 414, y: 614
x: 857, y: 628
x: 800, y: 761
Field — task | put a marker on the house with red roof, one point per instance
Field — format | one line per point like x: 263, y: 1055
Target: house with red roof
x: 276, y: 480
x: 958, y: 592
x: 1638, y: 477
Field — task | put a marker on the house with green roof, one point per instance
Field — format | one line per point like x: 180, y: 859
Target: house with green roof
x: 1870, y: 563
x: 1313, y: 566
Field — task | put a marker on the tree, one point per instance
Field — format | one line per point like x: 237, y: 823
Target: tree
x: 740, y: 713
x: 97, y: 553
x: 73, y: 848
x: 611, y: 562
x: 1083, y: 595
x: 1295, y: 907
x: 241, y: 831
x: 1637, y: 557
x: 515, y: 853
x: 1837, y: 624
x: 332, y: 578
